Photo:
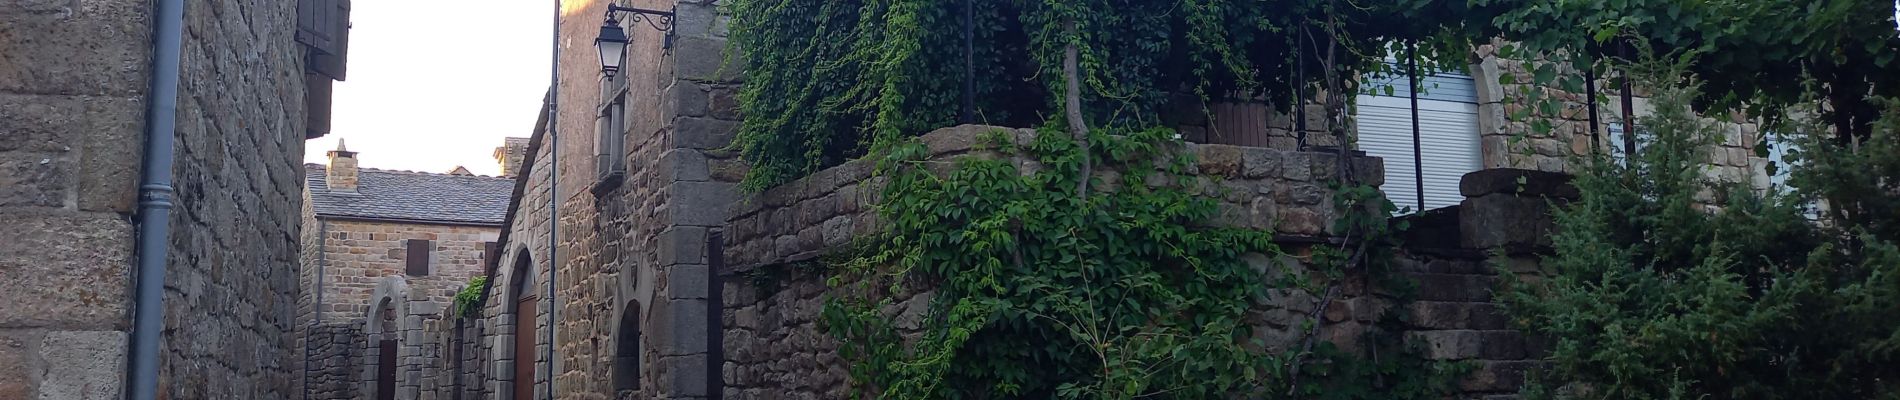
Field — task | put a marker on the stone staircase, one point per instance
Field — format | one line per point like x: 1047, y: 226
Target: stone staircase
x: 1455, y: 255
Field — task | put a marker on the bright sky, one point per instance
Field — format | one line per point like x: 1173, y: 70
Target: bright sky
x: 435, y: 84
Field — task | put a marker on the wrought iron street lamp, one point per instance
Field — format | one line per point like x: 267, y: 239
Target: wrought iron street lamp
x: 612, y: 42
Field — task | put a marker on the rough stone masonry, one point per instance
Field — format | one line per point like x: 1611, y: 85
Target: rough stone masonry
x: 73, y: 93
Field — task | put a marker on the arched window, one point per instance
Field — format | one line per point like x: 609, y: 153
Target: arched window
x: 627, y: 351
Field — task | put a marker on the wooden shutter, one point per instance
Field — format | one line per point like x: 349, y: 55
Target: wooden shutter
x: 419, y: 256
x: 316, y: 109
x: 491, y: 252
x: 324, y: 27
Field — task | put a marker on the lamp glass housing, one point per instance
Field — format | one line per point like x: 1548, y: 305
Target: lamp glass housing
x: 612, y: 45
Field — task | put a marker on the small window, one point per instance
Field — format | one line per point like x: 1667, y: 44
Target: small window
x: 1618, y: 150
x: 611, y: 122
x: 419, y: 254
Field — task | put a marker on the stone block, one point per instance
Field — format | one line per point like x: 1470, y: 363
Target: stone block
x: 837, y: 231
x: 83, y: 365
x: 956, y: 139
x: 700, y: 203
x: 97, y: 48
x: 18, y: 363
x: 683, y: 165
x: 703, y: 133
x: 724, y: 103
x: 1297, y: 166
x: 1300, y: 221
x: 682, y: 324
x: 692, y: 101
x: 1501, y: 220
x: 1368, y: 170
x: 688, y: 282
x: 1497, y: 376
x: 1453, y: 287
x: 705, y: 59
x: 1260, y: 163
x: 682, y: 245
x: 31, y: 179
x: 104, y: 132
x: 682, y: 376
x: 1217, y: 159
x: 71, y: 263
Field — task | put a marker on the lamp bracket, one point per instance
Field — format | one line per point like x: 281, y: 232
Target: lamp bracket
x: 660, y: 20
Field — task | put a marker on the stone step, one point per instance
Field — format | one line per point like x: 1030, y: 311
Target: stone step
x: 1472, y: 344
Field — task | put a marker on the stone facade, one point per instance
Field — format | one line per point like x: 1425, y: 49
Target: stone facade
x: 73, y: 96
x: 358, y: 255
x: 364, y: 276
x: 631, y: 280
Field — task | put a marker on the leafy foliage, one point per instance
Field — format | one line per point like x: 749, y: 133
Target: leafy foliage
x: 1666, y: 284
x: 843, y: 74
x: 1040, y: 292
x: 1766, y: 55
x: 468, y: 300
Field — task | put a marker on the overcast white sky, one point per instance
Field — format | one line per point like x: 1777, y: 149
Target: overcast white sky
x: 435, y: 84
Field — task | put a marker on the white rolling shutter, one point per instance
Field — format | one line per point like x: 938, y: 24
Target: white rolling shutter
x: 1448, y: 138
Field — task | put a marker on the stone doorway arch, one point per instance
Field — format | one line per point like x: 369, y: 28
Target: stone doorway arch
x: 384, y: 326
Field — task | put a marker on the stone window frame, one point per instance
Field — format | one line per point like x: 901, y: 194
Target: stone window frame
x: 610, y: 136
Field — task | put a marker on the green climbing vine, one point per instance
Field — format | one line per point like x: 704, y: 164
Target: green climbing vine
x: 468, y: 300
x: 1043, y: 292
x: 844, y: 75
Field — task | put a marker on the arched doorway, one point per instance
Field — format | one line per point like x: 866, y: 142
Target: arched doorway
x: 383, y: 327
x: 626, y: 367
x: 525, y: 301
x: 386, y: 351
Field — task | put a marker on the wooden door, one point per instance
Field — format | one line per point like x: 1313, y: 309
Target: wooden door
x: 524, y: 347
x: 386, y: 371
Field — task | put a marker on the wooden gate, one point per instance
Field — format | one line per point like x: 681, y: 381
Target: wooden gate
x: 386, y: 371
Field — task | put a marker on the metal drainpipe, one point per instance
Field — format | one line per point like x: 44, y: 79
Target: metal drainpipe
x: 155, y: 199
x: 554, y: 192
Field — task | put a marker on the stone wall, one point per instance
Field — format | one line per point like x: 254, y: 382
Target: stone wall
x: 73, y: 79
x: 773, y: 348
x: 72, y: 109
x: 232, y: 283
x: 629, y: 260
x: 456, y: 368
x: 1509, y: 143
x: 358, y: 254
x: 332, y: 367
x: 525, y: 243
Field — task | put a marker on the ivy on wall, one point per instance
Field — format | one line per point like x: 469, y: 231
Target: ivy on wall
x: 1043, y: 292
x: 835, y: 77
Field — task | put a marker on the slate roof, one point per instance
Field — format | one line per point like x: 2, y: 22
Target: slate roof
x: 412, y: 196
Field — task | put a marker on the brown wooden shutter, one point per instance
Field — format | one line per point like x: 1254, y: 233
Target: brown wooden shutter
x: 316, y: 105
x: 490, y: 252
x: 419, y: 256
x: 324, y: 26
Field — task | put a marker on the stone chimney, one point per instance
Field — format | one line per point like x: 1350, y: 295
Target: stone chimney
x: 510, y: 153
x: 342, y: 171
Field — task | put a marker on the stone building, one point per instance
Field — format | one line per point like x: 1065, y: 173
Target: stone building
x: 220, y: 96
x: 385, y: 251
x: 625, y: 245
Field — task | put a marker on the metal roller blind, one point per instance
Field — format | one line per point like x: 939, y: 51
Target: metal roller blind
x: 1448, y: 138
